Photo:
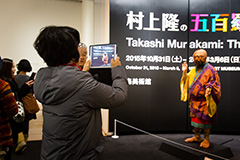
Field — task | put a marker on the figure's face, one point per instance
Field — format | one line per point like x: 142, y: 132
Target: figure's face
x: 200, y: 57
x: 83, y: 56
x: 13, y: 69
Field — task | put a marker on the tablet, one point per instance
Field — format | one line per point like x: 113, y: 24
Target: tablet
x: 102, y: 54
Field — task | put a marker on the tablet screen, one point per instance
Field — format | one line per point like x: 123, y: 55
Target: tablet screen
x: 102, y: 54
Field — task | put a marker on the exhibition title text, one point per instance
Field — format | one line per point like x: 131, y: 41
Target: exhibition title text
x: 171, y: 22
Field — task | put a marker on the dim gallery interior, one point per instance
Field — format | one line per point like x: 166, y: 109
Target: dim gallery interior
x: 154, y: 39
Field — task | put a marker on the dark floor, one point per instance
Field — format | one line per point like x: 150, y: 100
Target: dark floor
x: 141, y: 147
x: 146, y: 147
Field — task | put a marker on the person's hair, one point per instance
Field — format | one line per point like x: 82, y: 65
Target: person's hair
x: 76, y: 36
x: 56, y: 46
x: 6, y: 70
x: 73, y: 32
x: 24, y: 65
x: 82, y: 45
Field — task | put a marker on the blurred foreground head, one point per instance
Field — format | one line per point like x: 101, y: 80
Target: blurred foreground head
x: 56, y: 45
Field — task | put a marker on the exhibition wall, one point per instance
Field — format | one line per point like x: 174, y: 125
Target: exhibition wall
x: 21, y: 21
x: 154, y: 38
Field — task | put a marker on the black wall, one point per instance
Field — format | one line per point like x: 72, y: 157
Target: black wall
x: 154, y: 103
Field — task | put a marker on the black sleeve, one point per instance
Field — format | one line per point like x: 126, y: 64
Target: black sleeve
x: 24, y: 90
x: 19, y: 92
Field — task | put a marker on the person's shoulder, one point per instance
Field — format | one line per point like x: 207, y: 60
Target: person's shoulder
x: 22, y: 76
x: 4, y: 85
x: 72, y: 72
x: 45, y: 70
x: 211, y: 67
x: 19, y: 75
x: 2, y: 82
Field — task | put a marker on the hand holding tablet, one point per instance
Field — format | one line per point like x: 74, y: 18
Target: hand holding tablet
x: 102, y: 54
x: 115, y: 62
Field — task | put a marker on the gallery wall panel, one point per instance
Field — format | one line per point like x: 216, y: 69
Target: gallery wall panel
x: 154, y: 38
x: 218, y: 28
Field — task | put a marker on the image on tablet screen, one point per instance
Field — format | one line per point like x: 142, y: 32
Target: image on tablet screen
x: 101, y: 55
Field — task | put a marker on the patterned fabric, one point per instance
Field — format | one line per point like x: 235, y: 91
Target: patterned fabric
x: 200, y: 123
x: 8, y: 108
x: 193, y: 89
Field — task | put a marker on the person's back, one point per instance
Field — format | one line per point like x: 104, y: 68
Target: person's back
x: 21, y: 79
x: 8, y: 108
x: 23, y: 67
x: 72, y: 100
